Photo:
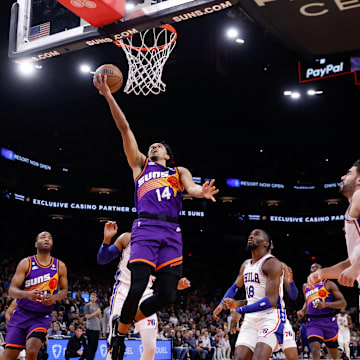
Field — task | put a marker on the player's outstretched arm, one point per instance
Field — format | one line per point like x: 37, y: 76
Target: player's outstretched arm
x: 135, y: 158
x: 207, y: 190
x: 332, y: 272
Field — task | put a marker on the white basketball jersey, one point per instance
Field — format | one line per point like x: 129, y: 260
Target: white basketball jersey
x: 342, y: 322
x: 123, y: 273
x: 352, y: 235
x: 255, y: 282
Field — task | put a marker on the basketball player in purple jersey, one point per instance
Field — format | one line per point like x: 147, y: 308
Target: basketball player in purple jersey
x: 321, y: 300
x: 38, y: 282
x: 156, y: 243
x: 348, y: 270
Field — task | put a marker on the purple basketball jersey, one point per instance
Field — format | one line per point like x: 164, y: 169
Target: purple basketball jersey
x: 158, y: 190
x: 42, y: 278
x: 316, y: 294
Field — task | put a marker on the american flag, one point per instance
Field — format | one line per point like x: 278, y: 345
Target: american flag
x: 39, y: 31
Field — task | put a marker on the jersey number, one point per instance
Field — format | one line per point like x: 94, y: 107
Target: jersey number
x: 164, y: 195
x: 250, y: 291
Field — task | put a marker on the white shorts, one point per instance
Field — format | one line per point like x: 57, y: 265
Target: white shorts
x: 119, y: 295
x: 289, y: 337
x: 260, y: 327
x: 344, y: 336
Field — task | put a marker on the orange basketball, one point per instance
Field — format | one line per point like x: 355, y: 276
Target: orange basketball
x: 114, y: 76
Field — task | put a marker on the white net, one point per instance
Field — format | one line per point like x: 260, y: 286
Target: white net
x: 147, y: 53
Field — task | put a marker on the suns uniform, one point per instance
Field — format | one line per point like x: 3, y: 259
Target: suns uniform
x: 121, y: 289
x: 31, y: 318
x: 352, y: 236
x: 261, y: 326
x: 321, y: 323
x: 156, y: 236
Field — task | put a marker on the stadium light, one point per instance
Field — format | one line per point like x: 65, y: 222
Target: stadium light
x: 85, y: 68
x: 232, y: 33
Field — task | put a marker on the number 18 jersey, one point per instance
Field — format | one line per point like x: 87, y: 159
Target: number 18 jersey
x: 158, y: 190
x: 255, y: 282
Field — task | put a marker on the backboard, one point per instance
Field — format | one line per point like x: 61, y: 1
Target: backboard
x: 42, y: 29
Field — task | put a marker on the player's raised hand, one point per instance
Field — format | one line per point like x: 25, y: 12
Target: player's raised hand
x: 314, y: 278
x: 217, y: 311
x: 100, y: 83
x: 110, y: 229
x: 209, y: 190
x: 183, y: 283
x: 288, y: 273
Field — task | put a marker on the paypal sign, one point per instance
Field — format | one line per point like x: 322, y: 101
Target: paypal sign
x: 56, y: 349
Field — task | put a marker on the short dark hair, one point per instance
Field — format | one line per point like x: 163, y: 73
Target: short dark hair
x: 79, y: 327
x: 357, y: 165
x: 170, y: 161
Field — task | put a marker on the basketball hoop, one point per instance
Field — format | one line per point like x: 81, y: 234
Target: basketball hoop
x: 147, y: 53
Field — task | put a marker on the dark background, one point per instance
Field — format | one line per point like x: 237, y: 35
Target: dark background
x: 224, y: 103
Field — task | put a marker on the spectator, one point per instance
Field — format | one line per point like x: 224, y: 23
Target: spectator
x: 106, y: 322
x: 180, y: 350
x: 71, y: 330
x: 77, y: 345
x: 173, y: 319
x: 202, y: 351
x: 192, y: 345
x: 93, y: 327
x: 207, y: 345
x: 55, y: 330
x: 227, y: 347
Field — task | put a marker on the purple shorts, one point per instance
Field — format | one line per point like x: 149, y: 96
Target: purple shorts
x: 157, y: 243
x: 24, y: 324
x: 325, y: 328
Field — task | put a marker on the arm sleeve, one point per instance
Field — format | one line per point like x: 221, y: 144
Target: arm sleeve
x: 293, y: 291
x: 259, y: 305
x: 107, y: 253
x: 230, y: 292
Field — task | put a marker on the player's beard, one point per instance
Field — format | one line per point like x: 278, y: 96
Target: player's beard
x: 44, y: 250
x: 251, y: 247
x: 154, y: 158
x: 347, y: 189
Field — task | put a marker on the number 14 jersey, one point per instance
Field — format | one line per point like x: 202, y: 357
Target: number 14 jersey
x: 158, y: 190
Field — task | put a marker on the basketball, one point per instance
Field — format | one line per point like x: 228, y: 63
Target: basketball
x: 114, y: 76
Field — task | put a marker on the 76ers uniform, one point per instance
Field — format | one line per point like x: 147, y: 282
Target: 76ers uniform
x: 261, y: 326
x: 32, y: 318
x: 321, y: 323
x: 352, y: 235
x: 155, y: 235
x: 121, y: 289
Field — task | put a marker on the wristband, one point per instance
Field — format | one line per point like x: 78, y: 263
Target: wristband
x: 231, y: 292
x: 259, y: 305
x: 293, y: 291
x: 107, y: 253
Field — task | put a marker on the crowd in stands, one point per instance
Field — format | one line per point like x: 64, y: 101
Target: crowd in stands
x: 189, y: 323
